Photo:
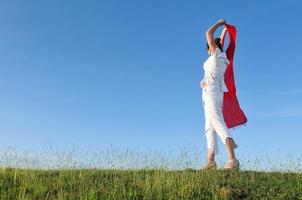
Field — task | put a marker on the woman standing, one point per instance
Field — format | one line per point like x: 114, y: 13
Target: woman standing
x: 213, y: 87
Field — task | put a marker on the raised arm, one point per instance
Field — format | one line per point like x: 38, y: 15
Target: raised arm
x: 222, y: 36
x: 210, y: 33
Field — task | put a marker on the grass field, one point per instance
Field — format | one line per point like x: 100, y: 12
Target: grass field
x: 133, y: 174
x: 147, y: 184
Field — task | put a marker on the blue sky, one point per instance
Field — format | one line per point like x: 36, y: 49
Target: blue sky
x: 91, y: 73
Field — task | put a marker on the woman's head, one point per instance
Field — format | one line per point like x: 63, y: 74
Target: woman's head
x: 218, y: 43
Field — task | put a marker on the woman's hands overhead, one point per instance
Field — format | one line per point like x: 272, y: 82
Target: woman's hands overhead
x: 210, y: 32
x: 221, y: 22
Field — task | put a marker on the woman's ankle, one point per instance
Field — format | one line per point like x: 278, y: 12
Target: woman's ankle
x: 232, y: 159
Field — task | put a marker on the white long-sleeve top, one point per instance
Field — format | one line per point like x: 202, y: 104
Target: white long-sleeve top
x: 214, y: 69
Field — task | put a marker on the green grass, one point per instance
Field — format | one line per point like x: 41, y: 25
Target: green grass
x: 140, y: 184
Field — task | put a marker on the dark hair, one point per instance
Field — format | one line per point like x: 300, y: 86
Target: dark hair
x: 218, y: 43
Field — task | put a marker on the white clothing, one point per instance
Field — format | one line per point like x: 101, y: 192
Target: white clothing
x: 214, y: 68
x: 212, y: 98
x: 214, y: 121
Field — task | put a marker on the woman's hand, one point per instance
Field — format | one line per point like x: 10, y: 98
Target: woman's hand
x: 221, y: 22
x: 203, y: 85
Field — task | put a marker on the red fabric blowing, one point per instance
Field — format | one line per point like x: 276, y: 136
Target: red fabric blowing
x: 232, y: 113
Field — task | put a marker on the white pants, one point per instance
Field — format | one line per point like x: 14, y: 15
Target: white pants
x: 214, y: 122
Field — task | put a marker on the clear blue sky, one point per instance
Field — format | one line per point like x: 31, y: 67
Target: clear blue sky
x: 91, y: 73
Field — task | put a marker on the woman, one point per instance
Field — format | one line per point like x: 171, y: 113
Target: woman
x: 213, y: 86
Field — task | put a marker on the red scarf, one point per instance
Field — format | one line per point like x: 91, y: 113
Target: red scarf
x: 232, y: 113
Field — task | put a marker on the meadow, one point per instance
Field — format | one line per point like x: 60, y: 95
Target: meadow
x: 148, y: 184
x: 23, y: 177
